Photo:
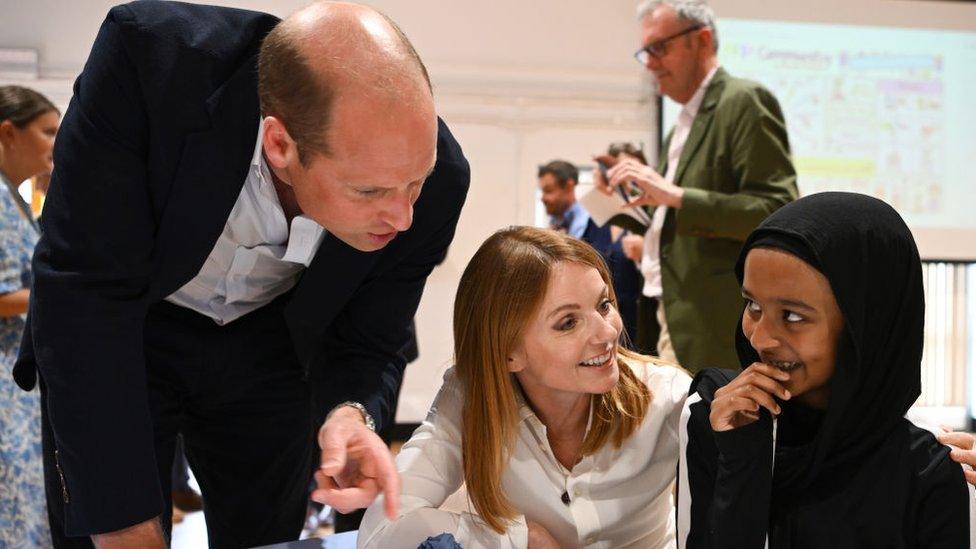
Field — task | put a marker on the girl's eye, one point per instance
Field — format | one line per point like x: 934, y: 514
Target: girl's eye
x: 752, y: 306
x: 790, y: 316
x: 606, y: 305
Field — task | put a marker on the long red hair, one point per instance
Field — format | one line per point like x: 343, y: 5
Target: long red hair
x: 500, y: 291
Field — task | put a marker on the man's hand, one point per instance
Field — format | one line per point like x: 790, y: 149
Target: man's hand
x: 633, y: 246
x: 655, y: 190
x: 356, y: 465
x: 737, y: 404
x: 540, y: 538
x: 145, y: 534
x: 963, y: 450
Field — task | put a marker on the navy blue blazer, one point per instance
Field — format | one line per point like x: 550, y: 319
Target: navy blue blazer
x: 150, y: 158
x: 627, y: 279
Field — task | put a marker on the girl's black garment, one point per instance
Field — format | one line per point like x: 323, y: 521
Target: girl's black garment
x: 856, y: 474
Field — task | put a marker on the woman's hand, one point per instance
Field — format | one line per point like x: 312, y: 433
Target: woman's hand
x: 737, y: 404
x: 963, y: 451
x: 540, y: 538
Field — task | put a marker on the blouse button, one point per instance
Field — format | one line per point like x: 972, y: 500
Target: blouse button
x: 577, y: 491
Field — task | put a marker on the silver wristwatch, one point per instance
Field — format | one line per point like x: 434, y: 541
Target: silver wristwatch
x: 368, y: 419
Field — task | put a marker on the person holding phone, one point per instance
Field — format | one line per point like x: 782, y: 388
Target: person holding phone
x: 723, y: 168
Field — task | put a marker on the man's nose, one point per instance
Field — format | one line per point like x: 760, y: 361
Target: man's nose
x: 399, y: 211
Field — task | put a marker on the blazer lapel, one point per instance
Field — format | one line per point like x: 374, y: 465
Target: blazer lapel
x: 330, y: 281
x: 703, y: 119
x: 662, y: 157
x: 211, y: 173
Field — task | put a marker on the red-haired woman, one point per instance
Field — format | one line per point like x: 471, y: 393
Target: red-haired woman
x: 561, y: 437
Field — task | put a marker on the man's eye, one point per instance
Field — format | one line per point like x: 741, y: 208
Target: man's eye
x: 790, y: 316
x: 366, y: 192
x: 752, y: 306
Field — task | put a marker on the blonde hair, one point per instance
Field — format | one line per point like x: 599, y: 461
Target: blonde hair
x: 500, y: 291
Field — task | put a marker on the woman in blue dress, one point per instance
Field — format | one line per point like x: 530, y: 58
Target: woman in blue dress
x: 28, y: 123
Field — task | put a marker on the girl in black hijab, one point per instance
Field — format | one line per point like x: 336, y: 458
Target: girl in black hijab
x: 808, y: 446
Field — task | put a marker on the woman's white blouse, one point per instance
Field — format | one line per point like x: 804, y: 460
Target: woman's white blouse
x: 618, y: 497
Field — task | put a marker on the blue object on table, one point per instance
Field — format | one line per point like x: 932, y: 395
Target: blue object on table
x: 443, y: 541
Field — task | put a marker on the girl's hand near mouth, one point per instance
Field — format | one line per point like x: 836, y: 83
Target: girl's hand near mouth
x: 737, y: 404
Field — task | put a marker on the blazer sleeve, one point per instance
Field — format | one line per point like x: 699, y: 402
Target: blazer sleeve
x: 761, y: 169
x: 89, y: 300
x: 431, y: 470
x: 363, y: 347
x: 724, y: 483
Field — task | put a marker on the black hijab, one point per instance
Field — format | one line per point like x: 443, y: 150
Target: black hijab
x: 867, y: 253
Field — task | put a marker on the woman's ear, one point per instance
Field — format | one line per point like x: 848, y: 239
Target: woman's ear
x: 515, y: 361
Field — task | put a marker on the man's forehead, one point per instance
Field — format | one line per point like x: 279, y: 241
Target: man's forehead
x: 659, y: 22
x: 548, y: 180
x: 390, y: 176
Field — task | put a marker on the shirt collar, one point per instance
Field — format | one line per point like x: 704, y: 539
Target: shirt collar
x: 258, y: 158
x: 576, y: 219
x: 693, y: 104
x: 579, y: 220
x: 304, y: 234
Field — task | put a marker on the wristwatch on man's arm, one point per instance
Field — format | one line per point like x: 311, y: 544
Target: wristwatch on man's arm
x: 367, y: 419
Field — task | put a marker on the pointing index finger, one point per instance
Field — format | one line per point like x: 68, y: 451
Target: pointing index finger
x: 389, y: 481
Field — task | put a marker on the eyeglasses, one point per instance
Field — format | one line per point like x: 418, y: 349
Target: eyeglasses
x: 659, y: 49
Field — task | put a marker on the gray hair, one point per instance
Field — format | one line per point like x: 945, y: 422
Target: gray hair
x: 691, y: 11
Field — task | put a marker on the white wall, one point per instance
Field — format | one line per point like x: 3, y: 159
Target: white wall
x: 519, y: 81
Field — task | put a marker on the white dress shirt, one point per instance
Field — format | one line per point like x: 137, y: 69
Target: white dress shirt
x: 256, y: 258
x: 651, y: 259
x: 618, y: 497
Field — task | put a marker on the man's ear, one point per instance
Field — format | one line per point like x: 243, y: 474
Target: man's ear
x: 7, y: 129
x: 707, y: 38
x: 280, y: 149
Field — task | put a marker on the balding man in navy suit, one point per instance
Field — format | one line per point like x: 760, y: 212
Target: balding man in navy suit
x: 242, y: 217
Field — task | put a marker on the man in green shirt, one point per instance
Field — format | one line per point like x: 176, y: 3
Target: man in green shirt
x: 723, y: 168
